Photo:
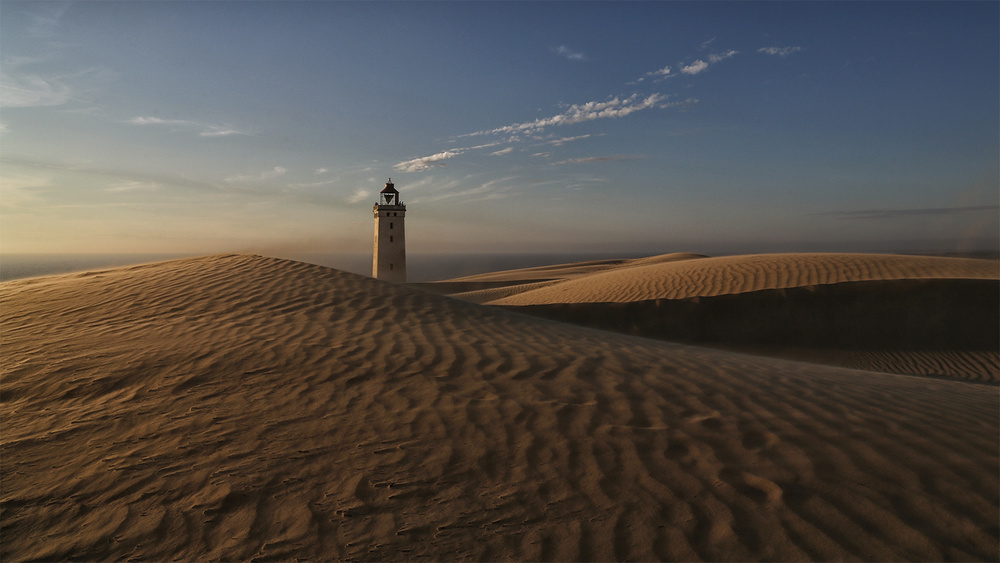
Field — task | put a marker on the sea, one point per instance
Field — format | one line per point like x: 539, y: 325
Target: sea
x: 420, y: 267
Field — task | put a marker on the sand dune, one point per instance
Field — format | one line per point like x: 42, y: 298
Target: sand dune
x: 681, y: 279
x: 239, y: 407
x: 934, y: 327
x: 913, y: 315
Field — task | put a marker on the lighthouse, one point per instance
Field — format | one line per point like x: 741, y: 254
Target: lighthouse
x: 389, y: 255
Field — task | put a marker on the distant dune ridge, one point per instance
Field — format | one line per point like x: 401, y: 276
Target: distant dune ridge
x: 918, y: 315
x: 241, y: 407
x: 680, y: 276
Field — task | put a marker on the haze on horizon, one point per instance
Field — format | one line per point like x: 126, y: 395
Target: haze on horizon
x: 203, y: 127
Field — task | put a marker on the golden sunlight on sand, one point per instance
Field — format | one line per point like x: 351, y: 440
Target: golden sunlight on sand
x: 239, y: 407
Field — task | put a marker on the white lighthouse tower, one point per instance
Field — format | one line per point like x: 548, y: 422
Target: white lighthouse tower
x: 389, y: 256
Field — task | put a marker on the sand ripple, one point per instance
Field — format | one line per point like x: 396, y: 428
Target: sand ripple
x: 239, y: 407
x: 705, y: 277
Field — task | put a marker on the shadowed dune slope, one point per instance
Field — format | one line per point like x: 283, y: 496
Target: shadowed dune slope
x: 934, y: 327
x: 724, y: 275
x: 239, y: 407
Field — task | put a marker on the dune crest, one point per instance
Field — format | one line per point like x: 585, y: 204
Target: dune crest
x: 240, y: 407
x: 913, y: 315
x: 707, y: 277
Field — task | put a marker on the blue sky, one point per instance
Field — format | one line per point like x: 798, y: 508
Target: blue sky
x: 202, y: 127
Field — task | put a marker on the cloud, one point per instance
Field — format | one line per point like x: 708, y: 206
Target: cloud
x: 321, y: 171
x: 564, y: 140
x: 579, y: 113
x: 32, y: 90
x: 133, y: 186
x: 507, y: 150
x: 158, y: 121
x: 590, y: 159
x: 311, y: 184
x: 46, y: 19
x: 662, y: 73
x: 207, y: 130
x: 700, y: 65
x: 22, y: 189
x: 221, y: 132
x: 779, y: 51
x: 358, y: 196
x: 564, y: 51
x: 695, y: 67
x: 426, y: 162
x: 493, y: 189
x: 173, y: 180
x: 898, y: 213
x: 266, y: 175
x: 714, y: 58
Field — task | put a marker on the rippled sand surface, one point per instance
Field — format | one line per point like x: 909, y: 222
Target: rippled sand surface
x: 915, y: 315
x: 662, y: 278
x: 240, y: 407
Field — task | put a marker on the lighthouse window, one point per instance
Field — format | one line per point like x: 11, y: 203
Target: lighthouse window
x: 390, y: 238
x: 390, y: 267
x: 390, y: 224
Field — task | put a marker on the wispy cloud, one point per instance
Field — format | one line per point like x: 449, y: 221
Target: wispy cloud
x: 695, y: 67
x: 321, y: 171
x: 716, y: 57
x: 579, y: 113
x: 658, y: 75
x: 700, y: 65
x: 426, y: 162
x: 591, y: 159
x: 266, y: 175
x: 305, y: 185
x: 45, y: 19
x: 32, y: 90
x: 897, y: 213
x: 564, y: 140
x: 566, y: 52
x: 779, y: 51
x: 158, y: 121
x: 221, y: 132
x: 172, y: 180
x: 493, y: 189
x: 133, y: 186
x: 358, y: 196
x: 204, y: 129
x: 614, y: 107
x: 22, y: 189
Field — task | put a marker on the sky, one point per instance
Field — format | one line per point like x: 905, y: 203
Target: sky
x: 205, y: 127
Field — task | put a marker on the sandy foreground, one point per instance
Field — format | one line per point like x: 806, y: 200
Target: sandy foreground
x: 240, y: 408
